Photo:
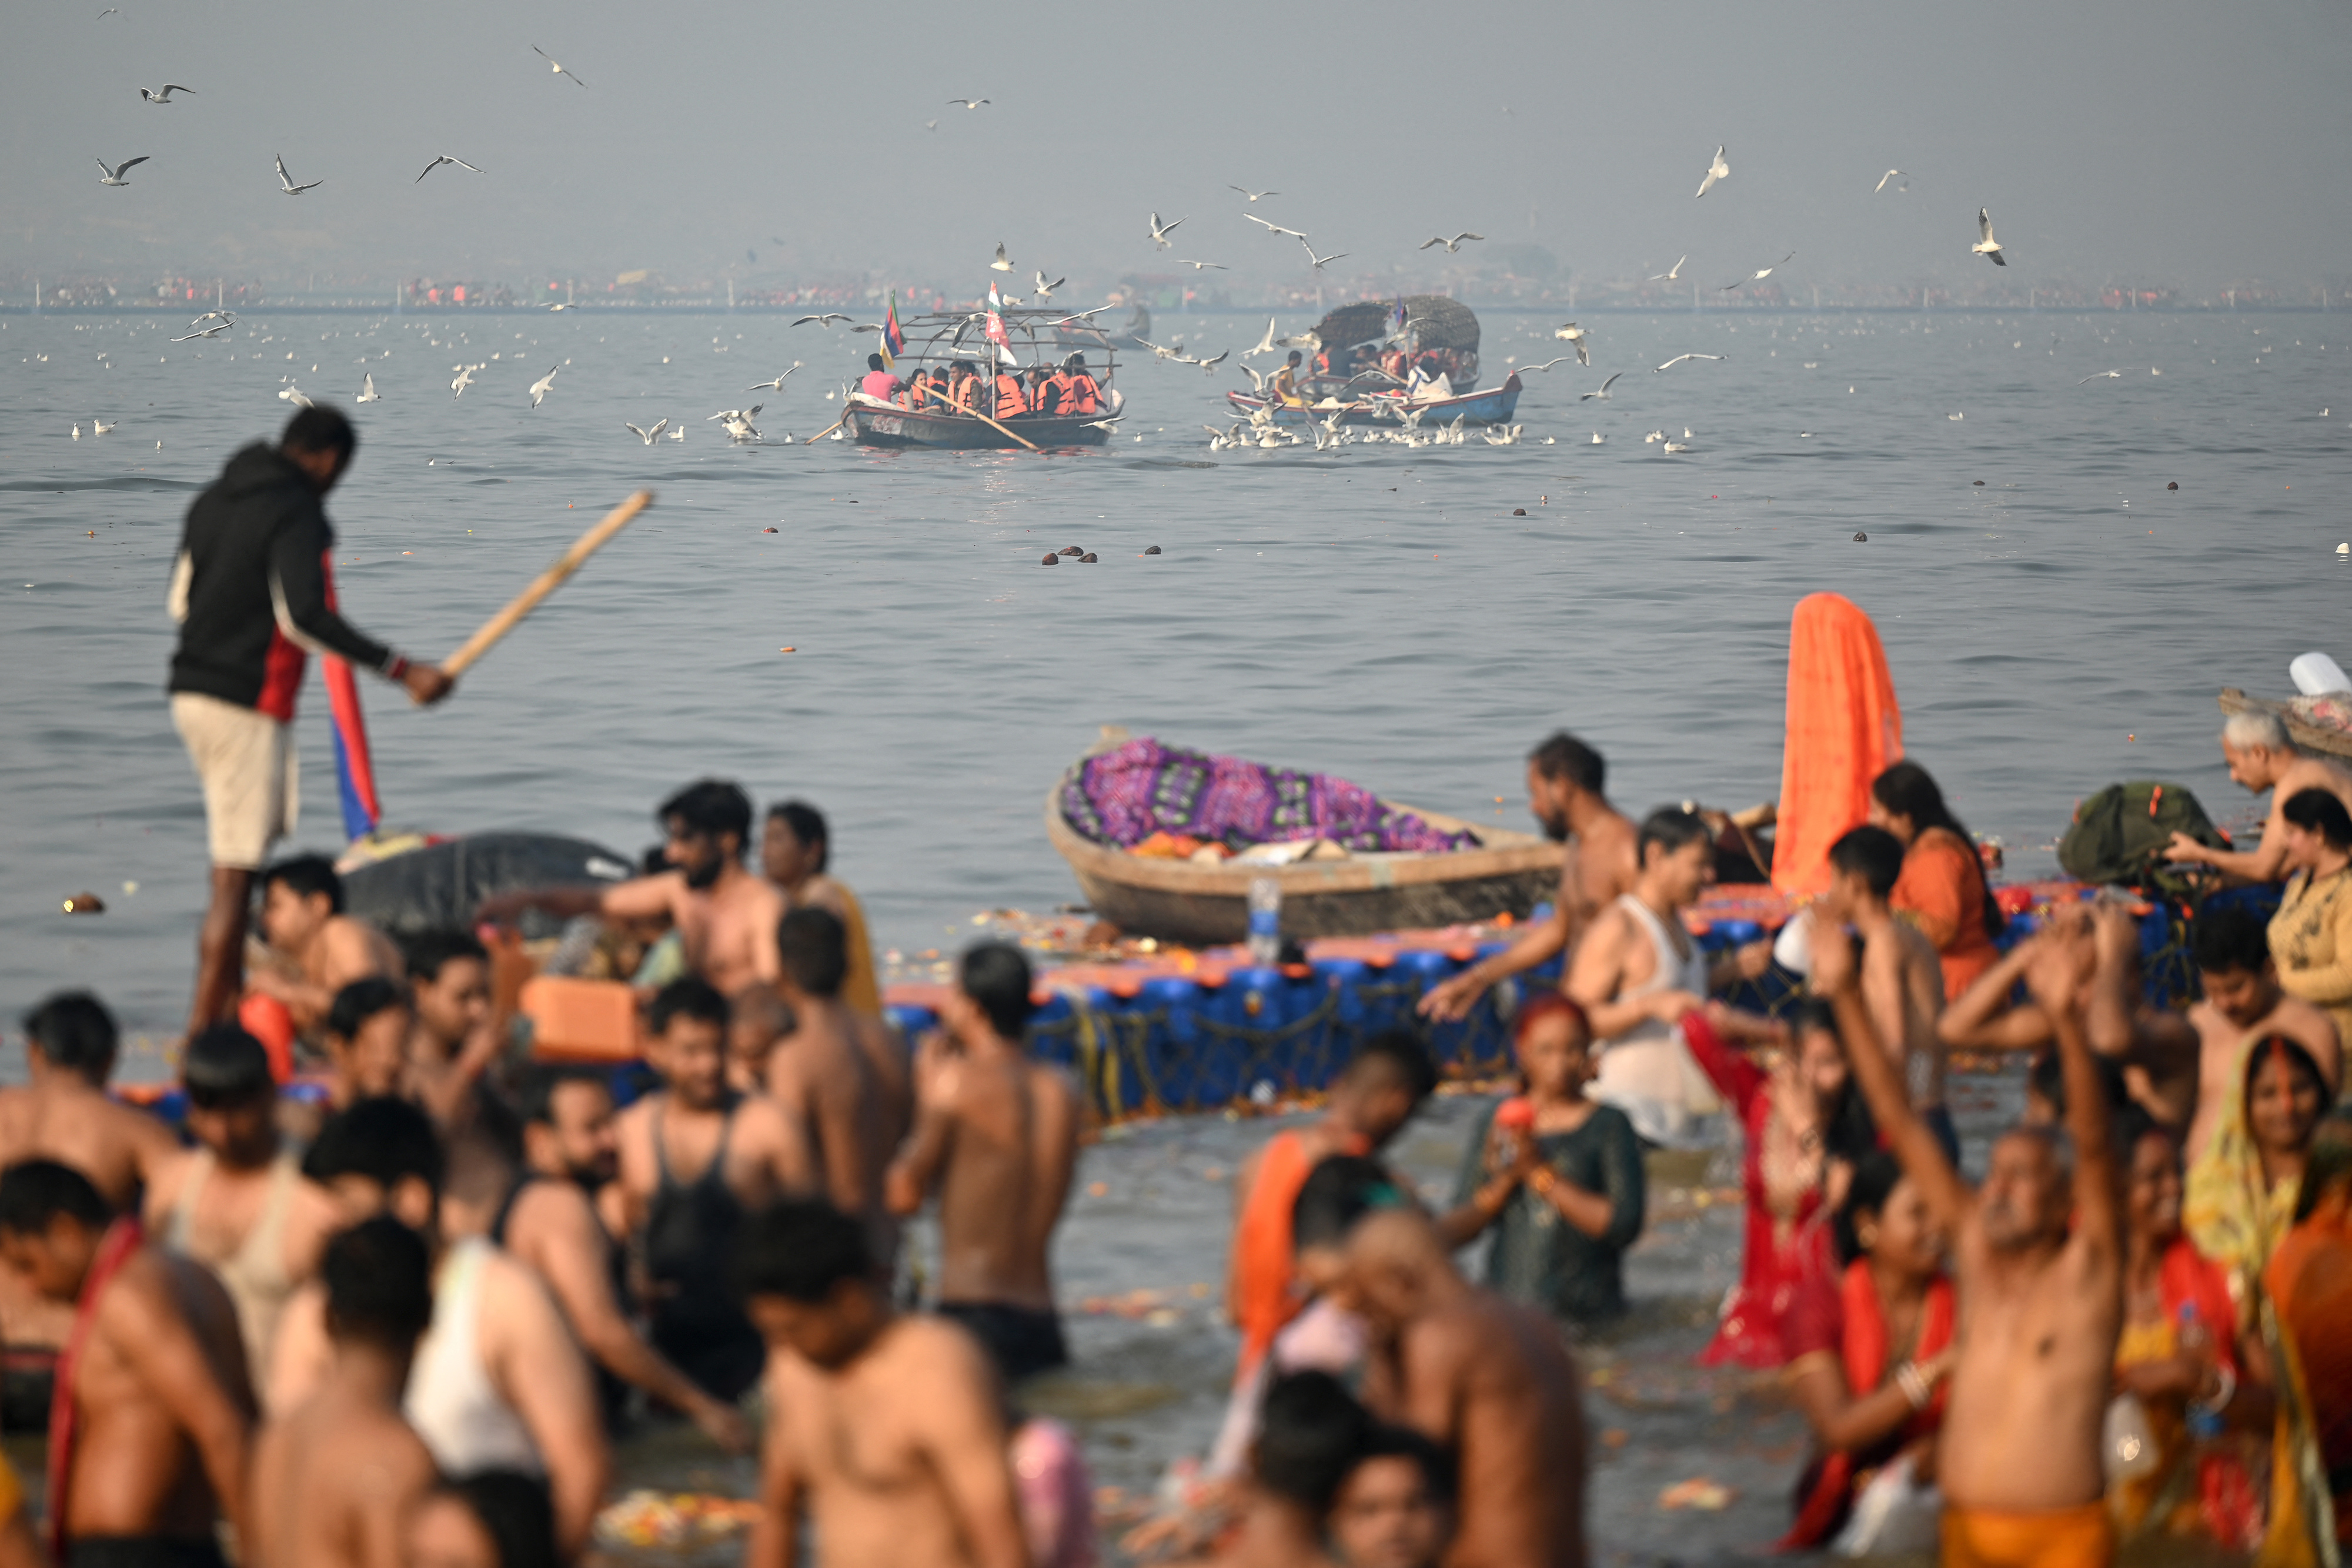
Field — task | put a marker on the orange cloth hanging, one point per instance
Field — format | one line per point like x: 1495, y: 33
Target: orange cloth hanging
x: 1844, y: 729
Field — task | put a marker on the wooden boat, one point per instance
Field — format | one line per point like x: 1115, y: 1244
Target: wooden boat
x: 2309, y: 736
x: 1201, y: 905
x: 870, y: 426
x: 1033, y: 338
x: 1493, y: 406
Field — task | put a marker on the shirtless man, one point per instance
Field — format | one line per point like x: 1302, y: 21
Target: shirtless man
x: 1637, y: 971
x: 2243, y: 1002
x: 1489, y: 1379
x: 997, y: 1136
x: 1312, y: 1434
x: 160, y: 1405
x: 823, y: 1077
x: 889, y: 1431
x: 318, y: 947
x: 726, y: 916
x: 368, y: 1027
x: 498, y: 1382
x: 757, y: 1018
x: 694, y: 1160
x: 796, y: 854
x: 334, y: 1479
x: 456, y: 1040
x: 1902, y: 977
x: 2261, y: 756
x: 2040, y: 1306
x: 238, y: 1202
x: 543, y: 1217
x: 1564, y: 792
x: 1396, y: 1507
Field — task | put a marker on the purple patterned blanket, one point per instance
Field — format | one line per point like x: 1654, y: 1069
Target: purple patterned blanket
x: 1123, y: 796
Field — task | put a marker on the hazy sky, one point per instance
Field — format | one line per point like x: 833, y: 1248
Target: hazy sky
x: 2147, y: 140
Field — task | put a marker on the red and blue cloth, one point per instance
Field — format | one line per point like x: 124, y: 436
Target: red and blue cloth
x: 1125, y: 795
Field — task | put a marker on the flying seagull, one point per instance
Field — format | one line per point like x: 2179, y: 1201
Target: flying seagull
x: 1547, y: 364
x: 1044, y: 289
x: 1275, y: 227
x: 2100, y: 376
x: 465, y: 378
x: 826, y: 319
x: 1670, y: 274
x: 287, y: 181
x: 1003, y: 263
x: 1678, y: 359
x: 1159, y: 231
x: 542, y: 387
x: 295, y: 396
x: 445, y: 158
x: 928, y: 125
x: 1252, y: 196
x: 1200, y: 266
x: 165, y: 96
x: 555, y: 69
x: 114, y: 175
x: 1264, y: 345
x: 1572, y: 333
x: 1986, y: 245
x: 1717, y: 171
x: 1450, y: 244
x: 969, y: 102
x: 1762, y: 275
x: 205, y: 333
x: 1318, y: 260
x: 367, y: 390
x: 777, y: 385
x: 1603, y: 392
x: 1892, y: 174
x: 109, y: 11
x: 648, y: 437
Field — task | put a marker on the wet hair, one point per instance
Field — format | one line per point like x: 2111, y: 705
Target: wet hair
x: 361, y: 1001
x: 428, y: 953
x: 1544, y: 1005
x: 1562, y: 755
x: 688, y: 995
x: 34, y: 1192
x: 807, y: 824
x: 2226, y: 939
x: 378, y: 1280
x: 319, y: 429
x: 874, y: 362
x: 1875, y: 1178
x: 305, y: 875
x: 1436, y: 1463
x: 1908, y: 789
x: 712, y: 806
x: 1672, y: 826
x: 385, y: 1139
x: 1850, y: 1133
x: 2291, y: 1051
x: 995, y: 976
x: 2248, y: 731
x: 514, y: 1511
x: 1340, y: 1190
x: 1400, y: 1055
x: 2319, y: 811
x: 800, y: 1250
x: 1872, y: 854
x: 2327, y: 1165
x: 1311, y: 1432
x: 226, y: 1066
x: 535, y: 1101
x: 76, y: 1033
x: 814, y: 948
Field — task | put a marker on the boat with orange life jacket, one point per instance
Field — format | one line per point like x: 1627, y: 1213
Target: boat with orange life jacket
x: 991, y: 401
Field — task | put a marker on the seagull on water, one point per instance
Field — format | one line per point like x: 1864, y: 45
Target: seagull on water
x: 367, y: 389
x: 1159, y: 231
x: 648, y: 437
x: 1003, y: 263
x: 99, y: 427
x: 1986, y: 245
x: 205, y: 333
x: 826, y: 319
x: 1678, y: 359
x: 1603, y: 392
x: 1569, y: 332
x: 1275, y: 227
x: 555, y: 69
x: 1318, y: 260
x: 1252, y: 196
x: 1670, y: 274
x: 445, y: 158
x: 465, y: 378
x: 1201, y: 265
x: 286, y: 181
x: 1716, y: 172
x: 165, y: 96
x: 1892, y: 174
x: 1450, y: 244
x: 114, y: 174
x: 776, y: 385
x: 1045, y: 291
x: 969, y: 102
x: 2100, y: 376
x: 542, y: 387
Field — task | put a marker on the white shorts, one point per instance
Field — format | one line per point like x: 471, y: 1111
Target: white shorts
x: 246, y: 759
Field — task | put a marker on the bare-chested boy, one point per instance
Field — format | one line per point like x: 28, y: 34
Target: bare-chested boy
x: 696, y: 1158
x: 334, y: 1480
x: 1902, y: 976
x: 368, y: 1027
x: 457, y: 1038
x: 825, y: 1078
x: 996, y: 1134
x: 154, y: 1393
x: 890, y: 1431
x: 725, y: 914
x: 1489, y: 1379
x: 2243, y: 1002
x: 319, y: 948
x: 2261, y: 756
x: 1564, y: 792
x: 2039, y: 1304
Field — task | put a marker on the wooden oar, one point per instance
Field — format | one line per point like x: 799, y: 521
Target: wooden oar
x: 828, y: 430
x: 545, y: 583
x: 993, y: 426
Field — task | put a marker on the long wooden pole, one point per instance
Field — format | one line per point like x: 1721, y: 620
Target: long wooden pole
x: 993, y: 426
x: 545, y: 583
x: 820, y: 435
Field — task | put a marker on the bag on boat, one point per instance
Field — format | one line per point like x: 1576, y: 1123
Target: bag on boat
x: 2121, y: 835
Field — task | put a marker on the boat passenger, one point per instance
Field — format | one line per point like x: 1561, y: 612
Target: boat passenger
x: 1394, y: 362
x: 1044, y: 396
x: 1428, y: 381
x: 878, y: 382
x: 927, y: 386
x: 1081, y: 395
x: 963, y: 385
x: 1010, y: 401
x: 1286, y: 382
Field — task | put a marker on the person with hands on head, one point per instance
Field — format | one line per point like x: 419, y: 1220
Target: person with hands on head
x: 2038, y: 1257
x: 2261, y: 756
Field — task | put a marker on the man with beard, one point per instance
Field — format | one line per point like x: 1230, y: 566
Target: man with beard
x: 726, y: 915
x: 1564, y: 784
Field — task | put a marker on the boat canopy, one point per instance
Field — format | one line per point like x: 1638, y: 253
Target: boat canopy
x: 1435, y: 321
x: 1036, y: 337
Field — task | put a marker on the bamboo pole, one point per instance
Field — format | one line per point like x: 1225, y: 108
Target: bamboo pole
x: 545, y: 583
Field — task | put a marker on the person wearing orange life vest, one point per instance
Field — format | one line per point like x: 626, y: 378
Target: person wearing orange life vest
x: 963, y: 381
x: 1081, y: 397
x: 1045, y: 394
x: 1010, y: 403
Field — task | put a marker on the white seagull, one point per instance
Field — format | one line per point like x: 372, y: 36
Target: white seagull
x: 1678, y: 359
x: 826, y: 319
x: 99, y: 427
x: 1561, y: 361
x: 1318, y: 260
x: 1986, y: 245
x: 1045, y: 291
x: 1892, y: 174
x: 776, y: 385
x: 1570, y: 332
x: 465, y: 378
x: 1003, y: 263
x: 1761, y: 274
x: 1252, y: 196
x: 2100, y: 376
x: 1716, y: 172
x: 1603, y: 392
x: 165, y: 96
x: 1275, y: 227
x: 114, y: 174
x: 367, y: 389
x: 1450, y: 244
x: 295, y: 396
x: 287, y: 181
x: 1264, y: 345
x: 1670, y: 274
x: 553, y: 67
x: 1201, y: 265
x: 648, y: 437
x: 205, y: 333
x: 969, y: 102
x: 445, y: 158
x: 1159, y: 231
x: 542, y: 387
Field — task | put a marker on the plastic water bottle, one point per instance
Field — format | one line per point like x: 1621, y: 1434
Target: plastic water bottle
x: 2196, y: 1340
x: 1265, y: 921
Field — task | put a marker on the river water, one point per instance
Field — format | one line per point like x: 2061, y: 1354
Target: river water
x: 1381, y: 613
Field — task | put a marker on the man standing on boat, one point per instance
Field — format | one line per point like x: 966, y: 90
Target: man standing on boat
x: 254, y: 598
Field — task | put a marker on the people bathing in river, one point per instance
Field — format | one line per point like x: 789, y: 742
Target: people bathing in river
x: 796, y: 854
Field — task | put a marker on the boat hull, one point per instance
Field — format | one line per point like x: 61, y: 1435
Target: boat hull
x: 910, y: 428
x: 2309, y: 736
x: 1493, y: 406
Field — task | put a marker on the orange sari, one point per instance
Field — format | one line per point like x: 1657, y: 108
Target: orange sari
x: 1844, y: 728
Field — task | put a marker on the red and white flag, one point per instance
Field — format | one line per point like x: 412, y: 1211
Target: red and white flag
x: 996, y: 321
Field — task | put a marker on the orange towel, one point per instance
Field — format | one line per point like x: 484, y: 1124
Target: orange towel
x: 1262, y: 1265
x: 267, y: 1020
x: 1844, y: 729
x: 2079, y: 1537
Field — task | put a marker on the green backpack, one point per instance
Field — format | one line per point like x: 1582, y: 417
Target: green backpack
x: 2121, y: 833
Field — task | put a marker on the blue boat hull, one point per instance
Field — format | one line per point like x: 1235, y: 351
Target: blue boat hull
x: 1493, y: 406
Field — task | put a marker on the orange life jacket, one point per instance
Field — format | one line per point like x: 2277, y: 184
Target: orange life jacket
x: 1009, y: 401
x: 1080, y: 395
x: 918, y: 391
x: 960, y: 394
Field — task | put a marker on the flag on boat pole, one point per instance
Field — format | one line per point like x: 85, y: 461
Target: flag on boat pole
x: 894, y: 341
x: 996, y: 319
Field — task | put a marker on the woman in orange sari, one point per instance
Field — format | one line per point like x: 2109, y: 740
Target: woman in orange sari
x: 2309, y: 1282
x: 1943, y: 888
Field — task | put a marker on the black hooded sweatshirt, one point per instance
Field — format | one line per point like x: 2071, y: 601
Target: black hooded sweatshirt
x: 252, y: 588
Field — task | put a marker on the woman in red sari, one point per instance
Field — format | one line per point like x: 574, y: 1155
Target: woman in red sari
x: 1870, y: 1350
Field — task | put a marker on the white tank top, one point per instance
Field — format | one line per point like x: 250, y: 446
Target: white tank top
x: 1647, y: 1071
x: 1673, y: 971
x: 451, y: 1402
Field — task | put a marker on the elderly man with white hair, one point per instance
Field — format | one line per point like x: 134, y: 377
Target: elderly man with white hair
x: 2261, y: 756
